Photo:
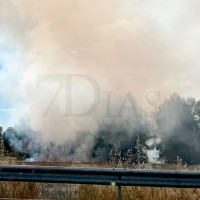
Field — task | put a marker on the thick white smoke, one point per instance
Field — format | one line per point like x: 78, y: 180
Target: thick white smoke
x: 126, y: 47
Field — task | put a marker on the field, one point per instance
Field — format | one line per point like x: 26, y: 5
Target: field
x: 90, y: 192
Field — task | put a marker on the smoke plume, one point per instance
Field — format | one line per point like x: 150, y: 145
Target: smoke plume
x: 115, y: 55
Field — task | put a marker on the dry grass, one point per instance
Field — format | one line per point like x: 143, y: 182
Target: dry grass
x: 21, y: 190
x: 92, y: 192
x: 143, y: 193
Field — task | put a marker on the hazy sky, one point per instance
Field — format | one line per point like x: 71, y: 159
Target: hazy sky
x: 132, y: 46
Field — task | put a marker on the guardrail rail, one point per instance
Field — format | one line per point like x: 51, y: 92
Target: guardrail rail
x: 102, y: 176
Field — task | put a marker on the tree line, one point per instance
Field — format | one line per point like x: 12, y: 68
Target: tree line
x: 173, y: 130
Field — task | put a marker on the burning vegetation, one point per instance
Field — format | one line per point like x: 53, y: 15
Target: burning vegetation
x: 172, y: 130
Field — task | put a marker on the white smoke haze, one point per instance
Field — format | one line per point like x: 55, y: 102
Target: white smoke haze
x: 130, y: 46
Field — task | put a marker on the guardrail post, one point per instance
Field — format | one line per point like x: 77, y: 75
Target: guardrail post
x: 119, y: 191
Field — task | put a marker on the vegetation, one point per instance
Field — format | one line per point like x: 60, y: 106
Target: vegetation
x: 85, y: 192
x: 177, y: 123
x: 174, y: 129
x: 90, y: 192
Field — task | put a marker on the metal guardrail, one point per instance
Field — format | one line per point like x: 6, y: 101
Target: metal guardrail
x: 101, y: 176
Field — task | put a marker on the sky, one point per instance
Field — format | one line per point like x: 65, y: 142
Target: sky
x: 135, y: 46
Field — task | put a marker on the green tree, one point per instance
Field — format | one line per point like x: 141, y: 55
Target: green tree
x: 178, y: 130
x: 1, y: 142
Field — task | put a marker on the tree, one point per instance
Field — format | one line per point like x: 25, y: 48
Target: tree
x: 110, y: 136
x: 1, y: 142
x: 178, y: 130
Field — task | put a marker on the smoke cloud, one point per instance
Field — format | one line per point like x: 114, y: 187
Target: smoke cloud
x: 113, y: 52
